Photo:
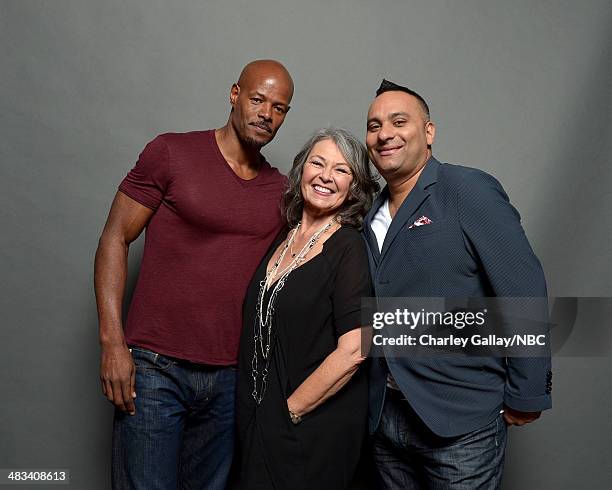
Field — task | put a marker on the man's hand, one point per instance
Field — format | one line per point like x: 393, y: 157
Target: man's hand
x: 515, y: 417
x: 118, y: 375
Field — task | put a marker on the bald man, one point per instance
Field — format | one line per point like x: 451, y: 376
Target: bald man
x: 210, y: 204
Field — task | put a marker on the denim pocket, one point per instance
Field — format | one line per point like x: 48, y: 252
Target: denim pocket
x: 482, y: 439
x: 145, y: 359
x: 501, y: 431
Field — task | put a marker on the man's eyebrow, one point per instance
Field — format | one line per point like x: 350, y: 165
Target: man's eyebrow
x: 263, y: 96
x: 391, y: 116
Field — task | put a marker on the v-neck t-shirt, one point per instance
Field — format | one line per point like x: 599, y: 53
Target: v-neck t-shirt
x: 202, y: 245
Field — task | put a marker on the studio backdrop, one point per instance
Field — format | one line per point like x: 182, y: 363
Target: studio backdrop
x: 519, y: 89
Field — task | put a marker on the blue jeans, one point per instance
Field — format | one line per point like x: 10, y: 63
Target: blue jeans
x: 182, y: 435
x: 408, y: 455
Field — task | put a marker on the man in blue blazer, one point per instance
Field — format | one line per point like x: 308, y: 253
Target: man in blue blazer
x: 441, y: 230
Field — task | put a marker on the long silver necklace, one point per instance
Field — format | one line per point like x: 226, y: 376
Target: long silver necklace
x: 262, y: 328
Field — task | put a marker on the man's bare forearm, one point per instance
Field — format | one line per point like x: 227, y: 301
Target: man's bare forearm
x: 110, y: 274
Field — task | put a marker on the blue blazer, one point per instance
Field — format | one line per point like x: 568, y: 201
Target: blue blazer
x: 474, y: 247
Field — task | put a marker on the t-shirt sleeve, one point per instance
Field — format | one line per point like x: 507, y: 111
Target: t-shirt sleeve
x: 351, y: 284
x: 146, y: 183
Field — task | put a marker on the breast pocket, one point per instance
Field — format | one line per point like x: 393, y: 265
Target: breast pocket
x: 416, y: 232
x: 414, y: 256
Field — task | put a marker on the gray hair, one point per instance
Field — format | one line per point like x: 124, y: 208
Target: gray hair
x: 362, y: 190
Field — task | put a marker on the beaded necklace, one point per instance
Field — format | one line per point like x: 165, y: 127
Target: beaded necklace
x: 262, y: 328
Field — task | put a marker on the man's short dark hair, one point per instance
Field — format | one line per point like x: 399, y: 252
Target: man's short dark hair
x: 387, y: 86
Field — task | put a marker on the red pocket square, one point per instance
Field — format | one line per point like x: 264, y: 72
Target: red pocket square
x: 423, y: 220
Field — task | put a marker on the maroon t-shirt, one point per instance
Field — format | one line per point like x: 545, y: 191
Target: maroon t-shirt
x: 208, y: 234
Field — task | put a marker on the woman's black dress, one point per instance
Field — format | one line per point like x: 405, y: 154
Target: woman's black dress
x: 320, y: 301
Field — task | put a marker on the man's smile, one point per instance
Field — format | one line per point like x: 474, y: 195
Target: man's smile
x: 388, y: 150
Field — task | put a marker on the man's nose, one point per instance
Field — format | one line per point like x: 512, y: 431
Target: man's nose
x: 386, y: 132
x: 265, y: 112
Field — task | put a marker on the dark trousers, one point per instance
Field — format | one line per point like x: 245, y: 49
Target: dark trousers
x: 408, y: 455
x: 182, y: 435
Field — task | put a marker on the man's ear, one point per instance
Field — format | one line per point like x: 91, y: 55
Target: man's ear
x: 430, y: 132
x: 234, y: 92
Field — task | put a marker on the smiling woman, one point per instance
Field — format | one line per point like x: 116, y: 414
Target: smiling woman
x: 346, y: 154
x: 326, y: 178
x: 302, y: 398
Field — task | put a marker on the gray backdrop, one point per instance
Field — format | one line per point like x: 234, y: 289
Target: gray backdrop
x: 520, y: 89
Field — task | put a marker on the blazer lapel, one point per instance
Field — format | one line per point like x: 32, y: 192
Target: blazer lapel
x: 412, y: 203
x: 367, y: 222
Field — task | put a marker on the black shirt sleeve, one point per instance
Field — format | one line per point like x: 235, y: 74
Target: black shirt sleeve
x: 352, y: 282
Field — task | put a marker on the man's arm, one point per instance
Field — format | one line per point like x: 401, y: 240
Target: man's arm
x: 126, y: 220
x: 493, y: 233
